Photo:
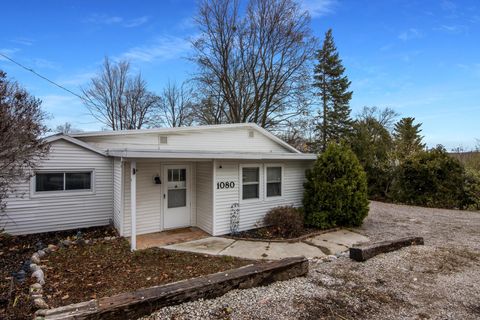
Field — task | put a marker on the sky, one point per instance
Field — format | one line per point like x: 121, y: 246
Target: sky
x: 421, y: 58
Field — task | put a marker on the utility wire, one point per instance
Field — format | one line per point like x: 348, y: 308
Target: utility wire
x: 44, y: 78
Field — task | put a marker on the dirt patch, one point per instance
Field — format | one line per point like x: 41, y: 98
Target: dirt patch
x: 81, y: 273
x: 14, y: 250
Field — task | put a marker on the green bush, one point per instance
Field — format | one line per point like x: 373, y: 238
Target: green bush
x: 430, y: 178
x: 471, y: 189
x: 285, y: 221
x: 336, y: 190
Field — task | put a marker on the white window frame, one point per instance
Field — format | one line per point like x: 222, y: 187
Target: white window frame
x: 282, y: 179
x: 54, y: 193
x: 260, y: 181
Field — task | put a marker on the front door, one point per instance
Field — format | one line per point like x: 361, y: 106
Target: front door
x: 176, y: 197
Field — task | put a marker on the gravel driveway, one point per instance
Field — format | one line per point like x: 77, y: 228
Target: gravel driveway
x: 440, y: 280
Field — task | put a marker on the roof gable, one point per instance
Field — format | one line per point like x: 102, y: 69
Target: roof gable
x: 227, y: 137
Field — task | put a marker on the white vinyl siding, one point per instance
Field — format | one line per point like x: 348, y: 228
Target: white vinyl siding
x: 225, y: 139
x: 149, y: 198
x: 30, y: 212
x: 204, y: 196
x: 252, y: 211
x: 117, y: 195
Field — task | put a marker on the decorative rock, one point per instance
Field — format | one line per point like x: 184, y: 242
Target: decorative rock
x: 39, y: 275
x: 40, y: 303
x: 66, y: 242
x: 36, y: 288
x: 26, y: 265
x: 35, y: 258
x: 41, y: 313
x: 34, y: 267
x: 87, y: 241
x: 52, y: 248
x: 41, y: 253
x: 107, y: 238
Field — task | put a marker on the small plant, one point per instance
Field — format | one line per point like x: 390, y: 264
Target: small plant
x: 285, y: 221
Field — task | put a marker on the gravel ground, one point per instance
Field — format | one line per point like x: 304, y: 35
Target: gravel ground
x: 440, y: 280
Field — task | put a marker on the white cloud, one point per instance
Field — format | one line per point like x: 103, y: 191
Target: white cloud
x: 8, y: 52
x: 163, y: 48
x: 105, y: 19
x: 453, y: 29
x: 318, y: 8
x: 410, y: 34
x: 77, y: 79
x: 136, y: 22
x: 23, y: 41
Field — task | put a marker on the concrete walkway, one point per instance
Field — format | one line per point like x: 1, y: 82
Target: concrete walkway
x: 319, y: 246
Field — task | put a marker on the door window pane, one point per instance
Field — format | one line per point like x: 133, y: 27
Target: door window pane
x: 274, y: 181
x: 78, y: 180
x: 177, y: 198
x: 49, y: 181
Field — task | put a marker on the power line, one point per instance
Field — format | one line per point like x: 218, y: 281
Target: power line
x: 43, y: 77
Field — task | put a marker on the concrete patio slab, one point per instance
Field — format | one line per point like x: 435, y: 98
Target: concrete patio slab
x: 210, y: 245
x: 247, y: 249
x: 315, y: 247
x: 337, y: 241
x: 280, y: 250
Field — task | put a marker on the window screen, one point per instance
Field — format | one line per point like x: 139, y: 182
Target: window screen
x: 49, y: 181
x: 77, y: 180
x: 60, y: 181
x: 250, y: 183
x: 274, y: 181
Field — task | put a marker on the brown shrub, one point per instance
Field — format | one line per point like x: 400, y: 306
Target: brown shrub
x: 285, y: 221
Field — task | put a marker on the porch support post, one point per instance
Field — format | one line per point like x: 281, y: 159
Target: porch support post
x: 133, y: 203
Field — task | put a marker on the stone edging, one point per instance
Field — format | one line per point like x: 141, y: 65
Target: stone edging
x: 36, y: 289
x: 132, y: 305
x: 297, y: 239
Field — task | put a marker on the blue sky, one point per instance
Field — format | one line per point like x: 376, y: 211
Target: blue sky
x: 421, y: 58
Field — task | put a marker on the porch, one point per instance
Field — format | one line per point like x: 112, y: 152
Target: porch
x: 164, y: 201
x: 170, y: 237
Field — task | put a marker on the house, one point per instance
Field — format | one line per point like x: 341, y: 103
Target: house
x: 146, y: 181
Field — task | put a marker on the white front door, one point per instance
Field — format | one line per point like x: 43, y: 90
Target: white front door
x: 176, y: 197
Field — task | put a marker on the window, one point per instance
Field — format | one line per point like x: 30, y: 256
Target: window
x: 274, y: 181
x: 177, y: 188
x: 250, y: 183
x: 61, y: 181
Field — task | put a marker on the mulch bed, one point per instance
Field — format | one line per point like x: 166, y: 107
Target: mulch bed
x: 270, y: 233
x: 83, y: 272
x: 14, y: 250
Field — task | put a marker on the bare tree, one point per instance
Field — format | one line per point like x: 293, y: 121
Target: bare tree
x: 386, y: 116
x: 117, y: 99
x: 254, y: 65
x: 67, y: 128
x: 21, y: 129
x: 175, y: 106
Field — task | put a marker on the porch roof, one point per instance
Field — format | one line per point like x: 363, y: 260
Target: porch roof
x: 205, y: 155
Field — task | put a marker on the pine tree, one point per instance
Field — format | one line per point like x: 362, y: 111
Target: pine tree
x: 407, y: 138
x: 332, y: 88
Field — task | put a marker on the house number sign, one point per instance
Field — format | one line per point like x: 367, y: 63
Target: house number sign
x: 226, y: 185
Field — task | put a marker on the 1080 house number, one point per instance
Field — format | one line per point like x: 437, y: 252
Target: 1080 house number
x: 226, y: 185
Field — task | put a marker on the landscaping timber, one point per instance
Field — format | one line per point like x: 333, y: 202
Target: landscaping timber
x: 132, y: 305
x: 367, y: 251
